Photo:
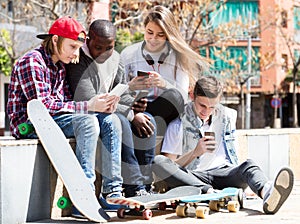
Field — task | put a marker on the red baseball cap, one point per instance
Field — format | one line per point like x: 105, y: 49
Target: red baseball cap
x: 66, y: 27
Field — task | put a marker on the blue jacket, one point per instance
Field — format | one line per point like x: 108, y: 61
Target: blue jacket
x: 224, y: 120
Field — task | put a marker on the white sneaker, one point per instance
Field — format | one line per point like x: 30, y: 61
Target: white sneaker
x: 277, y: 192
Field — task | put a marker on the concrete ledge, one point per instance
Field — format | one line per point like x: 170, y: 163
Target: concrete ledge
x: 24, y: 182
x: 29, y: 185
x: 271, y: 149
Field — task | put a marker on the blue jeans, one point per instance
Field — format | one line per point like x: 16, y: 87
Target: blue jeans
x: 137, y: 157
x: 85, y: 129
x: 110, y: 135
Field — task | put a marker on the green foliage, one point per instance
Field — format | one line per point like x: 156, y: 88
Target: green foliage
x: 125, y: 38
x: 5, y: 61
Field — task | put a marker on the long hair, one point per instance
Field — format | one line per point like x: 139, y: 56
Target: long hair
x: 48, y: 44
x: 187, y: 59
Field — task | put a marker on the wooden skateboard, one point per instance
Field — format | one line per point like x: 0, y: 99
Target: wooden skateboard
x: 65, y: 162
x: 143, y: 205
x: 200, y: 205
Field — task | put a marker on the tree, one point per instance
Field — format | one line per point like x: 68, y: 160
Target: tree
x: 22, y: 19
x: 5, y: 62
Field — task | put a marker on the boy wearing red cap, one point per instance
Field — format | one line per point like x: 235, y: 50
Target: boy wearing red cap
x: 40, y: 74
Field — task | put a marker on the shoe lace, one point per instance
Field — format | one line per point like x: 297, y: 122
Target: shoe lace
x: 141, y: 192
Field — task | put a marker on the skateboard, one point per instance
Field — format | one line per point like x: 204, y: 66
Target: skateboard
x: 200, y: 205
x: 143, y: 205
x: 65, y: 162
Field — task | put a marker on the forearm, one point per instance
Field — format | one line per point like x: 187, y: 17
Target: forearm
x: 186, y: 159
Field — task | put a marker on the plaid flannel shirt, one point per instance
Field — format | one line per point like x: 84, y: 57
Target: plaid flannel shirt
x: 35, y: 76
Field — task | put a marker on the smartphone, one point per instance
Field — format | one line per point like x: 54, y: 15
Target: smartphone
x: 140, y: 95
x: 143, y: 74
x: 118, y: 90
x: 209, y: 133
x: 211, y: 147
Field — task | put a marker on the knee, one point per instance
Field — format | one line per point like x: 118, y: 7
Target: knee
x: 152, y: 120
x: 174, y: 97
x: 112, y: 122
x: 249, y: 164
x: 90, y: 122
x: 160, y: 159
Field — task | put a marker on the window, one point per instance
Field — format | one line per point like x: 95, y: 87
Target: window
x: 284, y: 65
x: 245, y: 14
x: 296, y: 55
x: 284, y: 16
x: 233, y: 57
x: 297, y: 18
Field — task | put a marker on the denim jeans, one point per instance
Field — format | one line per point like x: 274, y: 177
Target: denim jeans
x: 137, y: 157
x: 239, y: 176
x: 85, y: 129
x: 110, y: 136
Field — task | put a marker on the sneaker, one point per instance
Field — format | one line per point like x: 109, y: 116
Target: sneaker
x: 76, y: 213
x: 111, y: 207
x: 277, y: 192
x: 141, y: 192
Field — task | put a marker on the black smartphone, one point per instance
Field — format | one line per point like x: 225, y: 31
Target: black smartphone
x: 211, y: 147
x: 143, y: 74
x: 140, y: 95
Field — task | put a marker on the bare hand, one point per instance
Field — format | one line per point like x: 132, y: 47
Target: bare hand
x: 140, y: 106
x: 205, y: 144
x: 139, y: 83
x: 103, y: 103
x: 155, y: 80
x: 143, y: 124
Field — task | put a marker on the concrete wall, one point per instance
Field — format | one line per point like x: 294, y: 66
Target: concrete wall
x: 24, y: 182
x: 271, y: 148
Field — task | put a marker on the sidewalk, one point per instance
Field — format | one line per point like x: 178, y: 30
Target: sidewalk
x: 252, y: 213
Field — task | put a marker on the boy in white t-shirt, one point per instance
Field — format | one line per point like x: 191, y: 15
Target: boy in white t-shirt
x: 193, y: 158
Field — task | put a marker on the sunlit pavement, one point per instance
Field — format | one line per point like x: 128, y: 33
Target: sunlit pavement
x: 251, y: 213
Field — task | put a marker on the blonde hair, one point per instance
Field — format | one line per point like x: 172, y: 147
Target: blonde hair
x: 48, y: 44
x: 187, y: 59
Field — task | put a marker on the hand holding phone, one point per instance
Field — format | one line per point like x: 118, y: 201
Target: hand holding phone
x: 210, y: 140
x: 141, y: 105
x: 143, y: 74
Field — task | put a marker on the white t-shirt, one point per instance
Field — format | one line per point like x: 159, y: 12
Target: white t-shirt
x: 172, y: 144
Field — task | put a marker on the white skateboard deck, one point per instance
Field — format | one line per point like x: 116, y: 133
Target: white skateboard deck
x: 65, y: 162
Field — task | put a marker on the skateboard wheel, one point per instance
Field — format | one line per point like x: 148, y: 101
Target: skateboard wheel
x: 25, y: 128
x: 173, y: 205
x: 162, y: 206
x: 233, y: 206
x: 147, y: 214
x: 214, y: 206
x: 180, y: 210
x: 64, y: 202
x: 121, y: 213
x: 202, y: 212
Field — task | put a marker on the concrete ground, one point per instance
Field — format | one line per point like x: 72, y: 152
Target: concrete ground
x: 251, y: 213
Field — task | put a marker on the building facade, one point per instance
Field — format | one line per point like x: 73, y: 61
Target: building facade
x: 270, y: 28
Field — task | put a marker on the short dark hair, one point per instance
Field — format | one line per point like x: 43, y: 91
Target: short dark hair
x: 102, y: 28
x: 208, y: 86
